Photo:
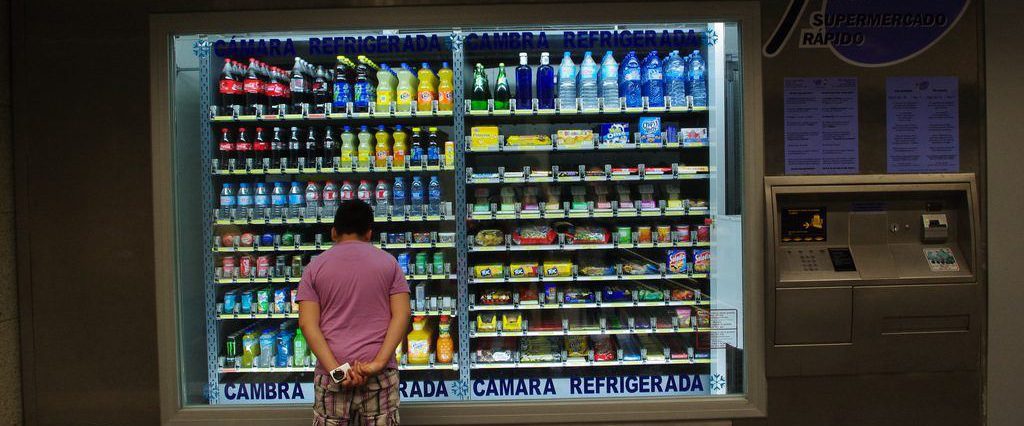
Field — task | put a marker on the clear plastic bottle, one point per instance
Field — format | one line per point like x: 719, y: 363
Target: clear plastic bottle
x: 696, y: 79
x: 227, y: 196
x: 261, y: 199
x: 416, y: 195
x: 567, y: 83
x: 405, y: 91
x: 587, y: 85
x: 383, y: 148
x: 398, y: 195
x: 312, y: 194
x: 244, y: 199
x: 296, y: 198
x: 382, y: 195
x: 653, y: 84
x: 609, y: 81
x: 434, y: 196
x: 400, y: 148
x: 386, y: 85
x: 630, y: 81
x: 675, y: 78
x: 348, y: 146
x: 365, y: 147
x: 364, y: 192
x: 445, y: 88
x: 426, y: 91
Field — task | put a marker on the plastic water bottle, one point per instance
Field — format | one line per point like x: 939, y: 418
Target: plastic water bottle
x: 675, y: 78
x: 227, y: 196
x: 697, y: 80
x: 267, y: 343
x: 347, y: 191
x: 609, y: 81
x: 262, y: 199
x: 653, y: 80
x: 295, y: 196
x: 244, y: 198
x: 364, y: 192
x: 382, y: 195
x: 588, y: 82
x: 312, y: 194
x: 398, y: 194
x: 278, y: 197
x: 416, y: 195
x: 330, y: 194
x: 567, y: 83
x: 545, y: 83
x: 434, y: 194
x: 300, y: 352
x: 284, y: 349
x: 630, y: 81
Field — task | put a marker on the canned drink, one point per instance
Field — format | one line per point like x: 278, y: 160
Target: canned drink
x: 281, y: 301
x: 682, y: 234
x: 231, y: 346
x: 227, y: 240
x: 703, y: 233
x: 246, y: 240
x: 295, y: 301
x: 403, y: 262
x: 664, y: 233
x: 230, y: 301
x: 263, y: 301
x: 245, y: 269
x: 296, y: 265
x: 421, y: 263
x: 227, y: 266
x: 288, y: 239
x: 246, y: 302
x: 438, y: 263
x: 263, y: 266
x: 280, y: 265
x: 625, y: 235
x: 643, y: 234
x: 267, y: 240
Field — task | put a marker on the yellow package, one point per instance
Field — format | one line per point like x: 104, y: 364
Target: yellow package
x: 490, y: 270
x: 528, y: 140
x: 557, y: 268
x: 575, y: 137
x: 486, y: 321
x: 512, y: 321
x: 523, y: 269
x: 483, y: 137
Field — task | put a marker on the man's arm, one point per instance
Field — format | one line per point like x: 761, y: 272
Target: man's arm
x: 398, y: 328
x: 309, y: 322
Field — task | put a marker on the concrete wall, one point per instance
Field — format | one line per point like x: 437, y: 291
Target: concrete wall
x: 10, y: 371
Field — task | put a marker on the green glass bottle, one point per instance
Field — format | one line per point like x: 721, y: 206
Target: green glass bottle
x: 502, y: 93
x: 481, y: 90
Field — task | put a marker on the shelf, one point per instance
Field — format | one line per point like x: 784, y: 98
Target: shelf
x: 553, y: 306
x: 329, y: 170
x: 590, y: 147
x: 570, y: 247
x: 571, y: 179
x: 326, y: 117
x: 271, y: 370
x: 571, y: 332
x: 580, y: 214
x: 585, y: 278
x: 327, y: 220
x: 584, y: 363
x: 315, y: 248
x: 253, y: 316
x: 283, y: 280
x: 584, y: 112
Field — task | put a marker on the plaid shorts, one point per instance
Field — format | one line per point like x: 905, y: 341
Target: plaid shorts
x: 374, y: 404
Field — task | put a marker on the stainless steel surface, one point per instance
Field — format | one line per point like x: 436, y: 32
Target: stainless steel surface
x: 808, y: 316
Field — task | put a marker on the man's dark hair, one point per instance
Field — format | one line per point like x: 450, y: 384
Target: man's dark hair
x: 353, y: 217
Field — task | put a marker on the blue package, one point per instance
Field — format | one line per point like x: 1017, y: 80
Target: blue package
x: 230, y: 301
x: 672, y: 133
x: 615, y: 133
x: 281, y: 300
x: 650, y: 129
x: 246, y: 302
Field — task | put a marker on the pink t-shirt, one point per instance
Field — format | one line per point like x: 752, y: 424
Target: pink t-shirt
x: 353, y: 283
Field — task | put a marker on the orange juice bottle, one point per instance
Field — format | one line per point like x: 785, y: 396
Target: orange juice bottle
x: 426, y: 91
x: 445, y: 345
x: 400, y: 148
x: 383, y: 149
x: 418, y: 348
x: 445, y: 89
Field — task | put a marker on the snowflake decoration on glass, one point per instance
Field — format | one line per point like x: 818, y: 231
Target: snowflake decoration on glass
x: 201, y: 47
x: 711, y: 36
x: 717, y: 382
x: 460, y: 390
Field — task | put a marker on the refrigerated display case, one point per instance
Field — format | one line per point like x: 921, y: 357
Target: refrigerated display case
x: 561, y: 242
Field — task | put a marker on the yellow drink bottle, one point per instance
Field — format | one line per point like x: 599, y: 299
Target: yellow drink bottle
x: 445, y: 89
x: 383, y: 150
x: 418, y: 348
x: 386, y: 82
x: 400, y: 148
x: 426, y: 91
x: 365, y: 150
x: 445, y: 345
x: 405, y: 91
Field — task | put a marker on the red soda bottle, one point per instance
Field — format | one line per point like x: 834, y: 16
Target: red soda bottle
x: 243, y: 150
x: 253, y: 88
x: 229, y: 88
x: 225, y: 149
x: 260, y: 148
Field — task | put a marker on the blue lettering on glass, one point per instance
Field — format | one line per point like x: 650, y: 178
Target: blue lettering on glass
x: 423, y: 389
x: 263, y: 391
x: 251, y: 47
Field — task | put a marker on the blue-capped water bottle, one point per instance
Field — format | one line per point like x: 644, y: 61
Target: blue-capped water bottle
x: 587, y: 84
x: 630, y: 81
x: 567, y: 83
x: 675, y: 78
x: 653, y: 84
x: 696, y: 80
x: 609, y: 81
x: 398, y: 194
x: 261, y: 199
x: 416, y: 195
x: 296, y: 198
x: 227, y: 196
x: 244, y: 198
x: 434, y: 195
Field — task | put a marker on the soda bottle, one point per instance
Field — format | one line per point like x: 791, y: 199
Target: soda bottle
x: 382, y: 195
x: 675, y: 78
x: 652, y: 81
x: 225, y: 150
x: 426, y: 91
x: 434, y: 196
x: 243, y: 150
x: 278, y: 198
x: 545, y: 83
x: 253, y: 88
x: 347, y: 192
x: 587, y: 85
x: 399, y: 148
x: 227, y: 196
x: 416, y: 195
x: 274, y: 88
x: 609, y: 81
x: 567, y: 82
x: 312, y: 150
x: 260, y: 148
x: 342, y: 93
x: 383, y: 148
x: 405, y: 90
x: 445, y: 88
x: 261, y: 199
x: 348, y: 146
x: 298, y: 87
x: 276, y: 148
x: 230, y: 88
x: 365, y: 151
x: 433, y: 148
x: 364, y: 192
x: 524, y: 84
x: 300, y: 350
x: 363, y: 90
x: 630, y: 81
x: 330, y: 194
x: 481, y: 89
x: 295, y: 195
x: 696, y: 80
x: 398, y: 195
x: 320, y: 91
x: 244, y: 198
x: 330, y: 148
x: 502, y: 93
x: 312, y: 194
x: 294, y: 148
x: 386, y: 85
x: 416, y: 150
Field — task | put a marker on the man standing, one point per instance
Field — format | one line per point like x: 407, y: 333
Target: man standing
x: 354, y: 310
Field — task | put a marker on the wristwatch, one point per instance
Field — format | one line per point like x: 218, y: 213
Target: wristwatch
x: 339, y: 374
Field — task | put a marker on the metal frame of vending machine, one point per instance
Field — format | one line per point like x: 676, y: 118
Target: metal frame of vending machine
x: 169, y: 200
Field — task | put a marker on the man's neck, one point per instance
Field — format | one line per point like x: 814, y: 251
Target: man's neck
x: 349, y: 237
